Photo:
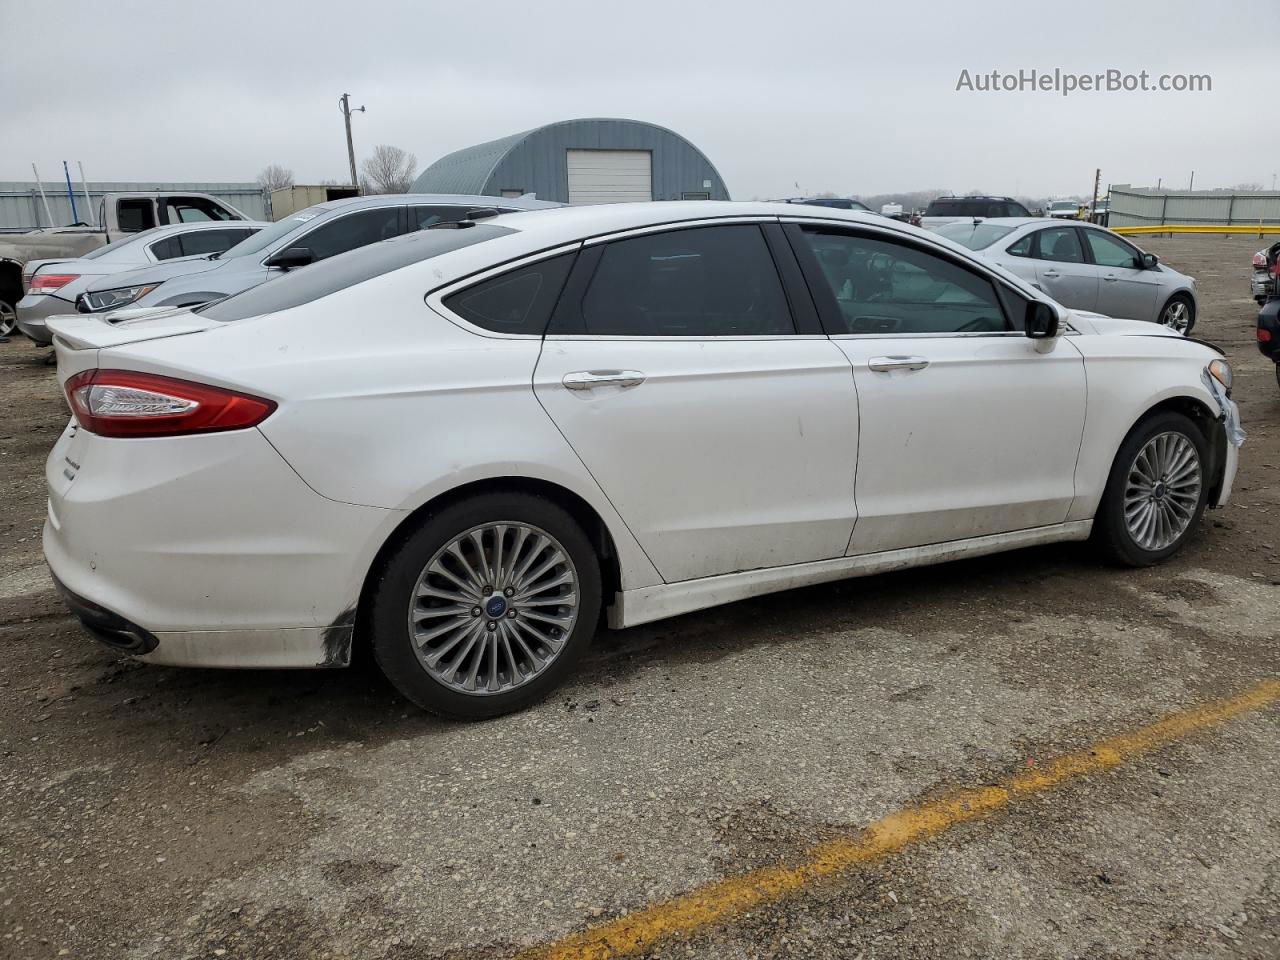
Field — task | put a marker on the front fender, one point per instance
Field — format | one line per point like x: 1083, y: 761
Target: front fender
x: 1127, y: 377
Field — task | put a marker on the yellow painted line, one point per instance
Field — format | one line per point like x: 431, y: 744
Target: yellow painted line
x: 732, y: 896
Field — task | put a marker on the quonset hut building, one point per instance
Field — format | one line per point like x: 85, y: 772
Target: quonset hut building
x: 580, y: 161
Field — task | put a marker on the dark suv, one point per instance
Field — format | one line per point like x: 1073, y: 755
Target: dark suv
x: 949, y: 209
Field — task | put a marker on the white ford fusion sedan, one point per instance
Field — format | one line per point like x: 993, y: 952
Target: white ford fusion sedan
x: 623, y: 412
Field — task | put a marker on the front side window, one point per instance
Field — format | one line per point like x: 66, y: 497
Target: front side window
x: 1061, y: 244
x: 352, y: 231
x: 1109, y: 252
x: 701, y: 282
x: 195, y: 210
x: 519, y: 301
x: 885, y: 287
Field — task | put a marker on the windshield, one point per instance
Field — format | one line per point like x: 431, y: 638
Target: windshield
x: 1062, y: 205
x: 975, y: 236
x: 269, y: 235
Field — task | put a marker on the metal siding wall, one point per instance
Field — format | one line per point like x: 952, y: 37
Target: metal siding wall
x: 539, y: 162
x: 1131, y: 208
x: 22, y: 209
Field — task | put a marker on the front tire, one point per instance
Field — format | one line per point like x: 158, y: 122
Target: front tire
x: 1179, y: 314
x: 8, y: 318
x: 1156, y: 492
x: 487, y: 606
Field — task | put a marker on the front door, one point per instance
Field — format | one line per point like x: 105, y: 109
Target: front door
x: 967, y: 426
x: 725, y: 439
x: 1125, y: 290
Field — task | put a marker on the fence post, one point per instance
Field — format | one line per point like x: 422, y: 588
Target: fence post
x: 1163, y: 207
x: 1231, y: 204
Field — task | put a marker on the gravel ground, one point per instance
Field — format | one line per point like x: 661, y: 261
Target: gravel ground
x: 158, y: 813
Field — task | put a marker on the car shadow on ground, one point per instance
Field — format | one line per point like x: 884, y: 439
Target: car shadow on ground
x: 286, y: 713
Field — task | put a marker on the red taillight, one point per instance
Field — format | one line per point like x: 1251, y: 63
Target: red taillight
x: 49, y: 282
x: 1264, y: 335
x: 125, y: 403
x: 1259, y: 260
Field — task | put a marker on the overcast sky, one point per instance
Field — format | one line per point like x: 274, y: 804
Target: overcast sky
x: 851, y: 97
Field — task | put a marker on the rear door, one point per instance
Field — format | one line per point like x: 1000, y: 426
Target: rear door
x: 1063, y: 270
x: 967, y: 427
x: 724, y: 433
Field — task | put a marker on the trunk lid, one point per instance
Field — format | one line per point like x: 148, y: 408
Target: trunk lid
x: 74, y: 332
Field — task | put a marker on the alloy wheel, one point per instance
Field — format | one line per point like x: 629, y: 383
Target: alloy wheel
x: 1177, y: 316
x: 1162, y: 491
x: 8, y: 318
x: 493, y: 608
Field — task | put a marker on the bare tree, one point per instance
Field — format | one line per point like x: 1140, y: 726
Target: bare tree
x: 274, y: 176
x: 388, y: 170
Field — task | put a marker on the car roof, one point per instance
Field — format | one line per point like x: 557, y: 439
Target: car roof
x: 982, y: 197
x: 443, y: 199
x: 170, y: 228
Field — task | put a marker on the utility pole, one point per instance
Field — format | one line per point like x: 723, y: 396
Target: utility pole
x: 1192, y: 185
x: 1093, y: 204
x: 344, y: 104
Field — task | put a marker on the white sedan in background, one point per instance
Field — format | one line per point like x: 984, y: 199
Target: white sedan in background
x: 51, y: 286
x: 1084, y: 267
x: 634, y: 410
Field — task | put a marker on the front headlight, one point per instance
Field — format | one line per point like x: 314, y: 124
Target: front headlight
x: 1220, y: 370
x: 100, y: 300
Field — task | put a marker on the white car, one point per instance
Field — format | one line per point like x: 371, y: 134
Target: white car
x: 1063, y: 210
x: 641, y: 409
x: 1085, y: 267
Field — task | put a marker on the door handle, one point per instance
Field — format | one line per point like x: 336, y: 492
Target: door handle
x: 1110, y: 278
x: 1052, y: 274
x: 590, y: 379
x: 885, y: 364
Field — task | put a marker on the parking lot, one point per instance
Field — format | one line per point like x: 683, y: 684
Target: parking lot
x: 1056, y: 758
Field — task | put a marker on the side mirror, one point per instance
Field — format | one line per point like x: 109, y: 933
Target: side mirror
x: 1148, y: 261
x: 1041, y: 322
x: 291, y: 257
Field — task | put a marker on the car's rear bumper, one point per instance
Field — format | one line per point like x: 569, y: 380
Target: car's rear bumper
x: 205, y: 551
x: 34, y: 312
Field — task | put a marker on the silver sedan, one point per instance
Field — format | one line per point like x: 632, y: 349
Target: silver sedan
x: 1084, y: 267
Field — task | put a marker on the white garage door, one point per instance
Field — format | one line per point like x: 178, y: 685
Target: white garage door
x: 610, y: 176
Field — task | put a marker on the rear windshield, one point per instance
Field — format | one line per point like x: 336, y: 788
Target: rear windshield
x: 119, y: 244
x: 975, y: 236
x: 317, y: 280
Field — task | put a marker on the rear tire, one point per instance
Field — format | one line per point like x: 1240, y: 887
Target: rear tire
x: 8, y: 318
x: 464, y: 623
x: 1156, y: 492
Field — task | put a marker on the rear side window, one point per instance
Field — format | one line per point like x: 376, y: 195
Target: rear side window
x: 702, y: 282
x: 1061, y: 244
x: 203, y: 242
x: 167, y: 248
x: 1022, y: 248
x: 135, y: 215
x: 519, y: 301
